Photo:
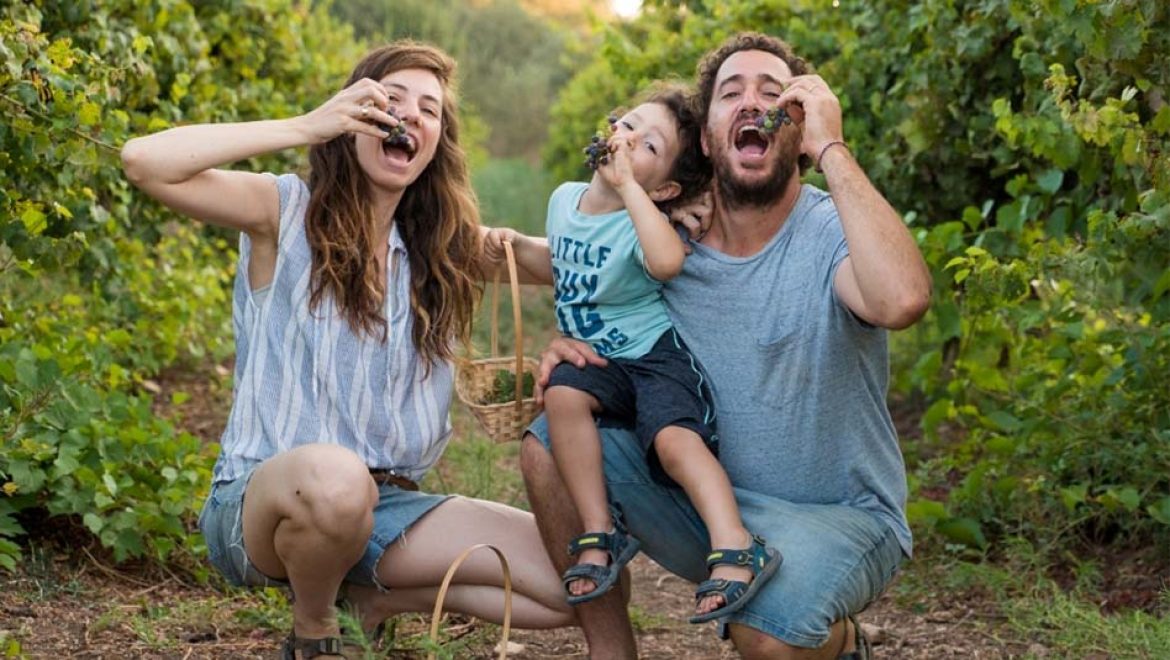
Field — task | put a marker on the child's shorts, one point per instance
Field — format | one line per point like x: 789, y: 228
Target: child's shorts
x: 665, y: 387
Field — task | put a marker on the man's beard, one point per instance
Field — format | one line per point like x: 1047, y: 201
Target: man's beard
x: 736, y: 193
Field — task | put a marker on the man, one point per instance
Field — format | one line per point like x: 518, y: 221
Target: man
x: 785, y: 301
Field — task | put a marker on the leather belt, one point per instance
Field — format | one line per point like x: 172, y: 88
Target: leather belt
x: 385, y: 477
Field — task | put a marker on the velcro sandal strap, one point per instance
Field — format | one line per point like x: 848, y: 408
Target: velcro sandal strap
x: 595, y: 540
x: 753, y: 556
x: 311, y: 648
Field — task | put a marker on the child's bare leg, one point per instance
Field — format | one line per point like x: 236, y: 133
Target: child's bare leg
x: 576, y: 448
x: 688, y: 461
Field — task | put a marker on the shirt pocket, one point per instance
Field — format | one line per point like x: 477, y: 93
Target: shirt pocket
x: 779, y: 366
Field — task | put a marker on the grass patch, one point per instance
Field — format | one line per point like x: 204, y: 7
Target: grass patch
x: 1017, y: 602
x: 644, y: 621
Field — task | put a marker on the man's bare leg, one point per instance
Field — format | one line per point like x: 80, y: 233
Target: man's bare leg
x: 755, y: 645
x: 605, y: 621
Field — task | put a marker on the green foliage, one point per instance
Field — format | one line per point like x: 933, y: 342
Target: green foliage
x: 1027, y: 147
x: 101, y: 288
x: 513, y: 193
x: 504, y: 386
x: 511, y: 62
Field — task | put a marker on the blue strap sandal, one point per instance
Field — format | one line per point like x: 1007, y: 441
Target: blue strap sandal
x: 763, y: 562
x: 621, y: 548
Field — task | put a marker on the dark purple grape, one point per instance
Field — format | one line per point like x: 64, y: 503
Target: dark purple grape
x: 772, y: 120
x: 597, y: 152
x: 397, y: 134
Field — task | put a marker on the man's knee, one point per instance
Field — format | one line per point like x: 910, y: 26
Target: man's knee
x: 752, y: 644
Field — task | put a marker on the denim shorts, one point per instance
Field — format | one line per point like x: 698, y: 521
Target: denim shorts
x: 837, y: 558
x: 222, y: 525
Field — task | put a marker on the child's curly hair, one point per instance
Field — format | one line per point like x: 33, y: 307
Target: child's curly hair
x: 692, y: 169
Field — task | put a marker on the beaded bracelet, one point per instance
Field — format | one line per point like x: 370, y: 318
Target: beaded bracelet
x: 826, y: 148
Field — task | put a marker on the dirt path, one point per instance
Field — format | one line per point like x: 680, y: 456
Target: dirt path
x: 69, y: 605
x: 71, y: 602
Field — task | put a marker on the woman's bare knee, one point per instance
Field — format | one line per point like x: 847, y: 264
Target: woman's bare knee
x: 326, y: 487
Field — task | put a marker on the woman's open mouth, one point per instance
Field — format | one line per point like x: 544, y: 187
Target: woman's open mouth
x: 399, y: 147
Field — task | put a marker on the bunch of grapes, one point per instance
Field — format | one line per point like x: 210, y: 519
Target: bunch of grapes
x: 397, y: 137
x: 597, y: 153
x: 772, y: 120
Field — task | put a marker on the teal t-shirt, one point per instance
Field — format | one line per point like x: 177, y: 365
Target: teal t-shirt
x: 603, y: 293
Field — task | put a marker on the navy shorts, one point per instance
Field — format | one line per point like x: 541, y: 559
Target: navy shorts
x: 665, y: 387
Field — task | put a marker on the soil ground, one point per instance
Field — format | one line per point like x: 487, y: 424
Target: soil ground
x: 70, y: 601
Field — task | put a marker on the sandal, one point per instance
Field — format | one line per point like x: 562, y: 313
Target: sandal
x: 763, y: 562
x: 861, y: 647
x: 309, y: 647
x: 621, y: 548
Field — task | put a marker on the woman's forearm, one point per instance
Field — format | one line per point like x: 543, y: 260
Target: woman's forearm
x: 178, y: 154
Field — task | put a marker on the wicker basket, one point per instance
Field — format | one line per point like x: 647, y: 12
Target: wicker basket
x: 437, y: 615
x: 476, y: 379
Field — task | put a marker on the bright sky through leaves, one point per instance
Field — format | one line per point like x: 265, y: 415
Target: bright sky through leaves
x: 626, y: 8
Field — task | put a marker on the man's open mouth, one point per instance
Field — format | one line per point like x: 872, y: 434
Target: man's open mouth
x: 750, y: 140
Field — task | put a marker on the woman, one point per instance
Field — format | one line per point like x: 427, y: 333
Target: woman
x: 349, y: 294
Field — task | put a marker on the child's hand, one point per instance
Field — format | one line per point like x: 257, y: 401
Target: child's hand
x: 695, y: 216
x: 618, y: 172
x: 493, y: 243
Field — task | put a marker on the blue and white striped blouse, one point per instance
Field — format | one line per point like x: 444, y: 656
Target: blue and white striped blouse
x: 304, y: 377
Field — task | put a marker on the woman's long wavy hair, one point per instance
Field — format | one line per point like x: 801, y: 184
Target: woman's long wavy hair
x: 437, y: 218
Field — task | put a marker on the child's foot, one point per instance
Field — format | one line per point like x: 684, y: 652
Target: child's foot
x: 584, y: 585
x: 726, y: 572
x: 601, y: 557
x: 726, y: 591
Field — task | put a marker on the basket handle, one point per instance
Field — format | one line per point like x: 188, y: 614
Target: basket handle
x: 518, y: 333
x: 438, y: 612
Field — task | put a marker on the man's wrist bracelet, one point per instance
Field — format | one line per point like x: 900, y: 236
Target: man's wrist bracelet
x: 826, y: 148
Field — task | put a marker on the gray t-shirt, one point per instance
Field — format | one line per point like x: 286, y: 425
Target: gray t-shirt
x: 799, y: 381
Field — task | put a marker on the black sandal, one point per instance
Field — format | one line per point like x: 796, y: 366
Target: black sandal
x: 861, y: 647
x: 621, y: 548
x: 310, y: 647
x: 763, y: 562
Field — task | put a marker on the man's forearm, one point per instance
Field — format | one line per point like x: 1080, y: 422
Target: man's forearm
x: 890, y: 274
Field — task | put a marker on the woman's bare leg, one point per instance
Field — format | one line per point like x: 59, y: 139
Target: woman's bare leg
x: 481, y: 601
x: 413, y: 567
x: 308, y: 513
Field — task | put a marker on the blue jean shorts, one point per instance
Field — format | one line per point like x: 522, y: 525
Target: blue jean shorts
x: 221, y: 522
x: 837, y: 558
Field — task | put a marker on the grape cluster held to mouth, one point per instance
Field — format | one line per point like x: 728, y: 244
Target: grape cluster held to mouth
x: 597, y: 152
x: 772, y: 120
x: 397, y: 133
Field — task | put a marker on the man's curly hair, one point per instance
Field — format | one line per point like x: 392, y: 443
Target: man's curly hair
x: 708, y: 68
